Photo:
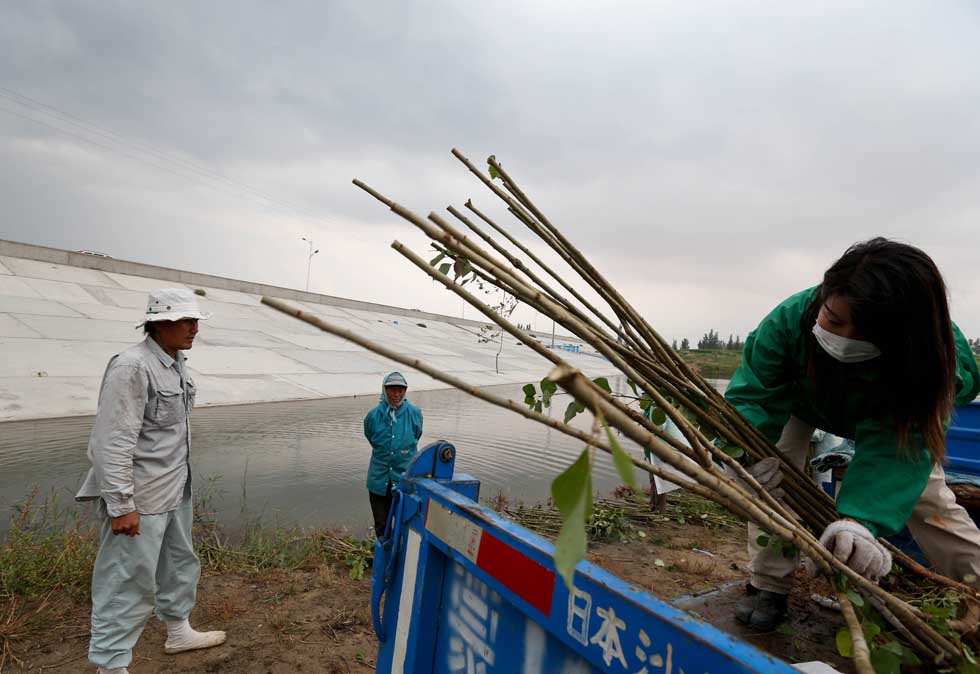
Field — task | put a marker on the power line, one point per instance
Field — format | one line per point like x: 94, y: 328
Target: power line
x: 122, y: 145
x: 44, y: 108
x: 118, y: 150
x: 89, y: 140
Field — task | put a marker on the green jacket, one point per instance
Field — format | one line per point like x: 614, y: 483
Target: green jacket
x: 394, y: 437
x: 882, y: 485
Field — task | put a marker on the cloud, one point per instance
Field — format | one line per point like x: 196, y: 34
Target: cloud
x: 712, y: 158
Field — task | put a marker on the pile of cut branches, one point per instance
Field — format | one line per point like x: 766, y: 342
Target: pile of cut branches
x: 927, y: 621
x: 622, y: 517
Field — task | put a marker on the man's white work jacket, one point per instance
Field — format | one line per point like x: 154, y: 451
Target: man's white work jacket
x: 140, y: 442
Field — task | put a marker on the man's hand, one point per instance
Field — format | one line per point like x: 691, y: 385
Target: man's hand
x: 128, y: 524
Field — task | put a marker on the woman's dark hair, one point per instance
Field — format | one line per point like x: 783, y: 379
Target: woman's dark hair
x: 149, y: 328
x: 897, y: 300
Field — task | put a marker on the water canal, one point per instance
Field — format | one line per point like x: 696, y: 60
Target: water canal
x: 305, y: 462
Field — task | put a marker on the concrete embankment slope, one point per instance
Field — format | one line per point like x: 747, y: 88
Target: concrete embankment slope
x: 64, y: 314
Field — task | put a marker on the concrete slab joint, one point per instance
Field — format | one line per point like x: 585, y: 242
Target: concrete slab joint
x: 64, y: 314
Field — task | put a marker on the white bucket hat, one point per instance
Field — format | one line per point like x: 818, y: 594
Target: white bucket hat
x: 172, y: 304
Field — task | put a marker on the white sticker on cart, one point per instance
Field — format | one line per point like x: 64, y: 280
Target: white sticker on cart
x: 455, y: 531
x: 406, y: 602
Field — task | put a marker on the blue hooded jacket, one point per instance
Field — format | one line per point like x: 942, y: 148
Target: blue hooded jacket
x: 394, y: 436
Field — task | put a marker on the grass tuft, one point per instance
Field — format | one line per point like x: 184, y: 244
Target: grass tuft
x: 713, y: 363
x: 49, y: 549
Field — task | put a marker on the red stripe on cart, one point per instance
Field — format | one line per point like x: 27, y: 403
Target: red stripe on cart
x: 531, y: 581
x: 523, y: 576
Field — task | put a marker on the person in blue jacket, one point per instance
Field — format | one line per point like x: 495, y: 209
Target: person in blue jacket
x: 393, y: 428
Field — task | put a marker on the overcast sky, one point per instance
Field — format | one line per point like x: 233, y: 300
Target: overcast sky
x: 711, y: 158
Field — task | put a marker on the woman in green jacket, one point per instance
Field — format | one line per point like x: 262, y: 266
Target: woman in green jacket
x: 870, y: 354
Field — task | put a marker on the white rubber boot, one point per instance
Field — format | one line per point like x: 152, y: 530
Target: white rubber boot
x: 181, y: 637
x: 115, y: 670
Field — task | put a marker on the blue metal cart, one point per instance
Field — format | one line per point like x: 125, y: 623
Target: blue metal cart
x: 963, y: 440
x: 457, y: 588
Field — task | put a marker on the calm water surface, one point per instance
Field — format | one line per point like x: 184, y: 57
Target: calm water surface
x: 306, y: 462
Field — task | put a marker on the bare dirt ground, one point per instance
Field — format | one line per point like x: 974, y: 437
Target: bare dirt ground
x: 277, y: 623
x: 318, y: 620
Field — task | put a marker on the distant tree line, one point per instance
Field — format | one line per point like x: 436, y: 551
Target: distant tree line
x: 711, y: 341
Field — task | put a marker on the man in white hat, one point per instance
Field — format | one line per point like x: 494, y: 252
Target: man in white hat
x: 139, y: 449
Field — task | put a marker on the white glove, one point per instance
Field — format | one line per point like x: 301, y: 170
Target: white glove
x: 857, y: 547
x: 767, y: 474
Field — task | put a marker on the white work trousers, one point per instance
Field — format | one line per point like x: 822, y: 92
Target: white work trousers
x: 941, y: 527
x: 132, y: 575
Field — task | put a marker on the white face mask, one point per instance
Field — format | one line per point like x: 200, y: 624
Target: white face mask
x: 845, y: 349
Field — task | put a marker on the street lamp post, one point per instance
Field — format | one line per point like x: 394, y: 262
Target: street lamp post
x: 309, y: 260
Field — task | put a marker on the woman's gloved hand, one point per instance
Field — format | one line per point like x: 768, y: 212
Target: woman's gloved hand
x: 853, y: 544
x: 768, y: 474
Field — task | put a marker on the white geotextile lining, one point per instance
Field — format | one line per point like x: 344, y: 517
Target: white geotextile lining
x: 59, y: 325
